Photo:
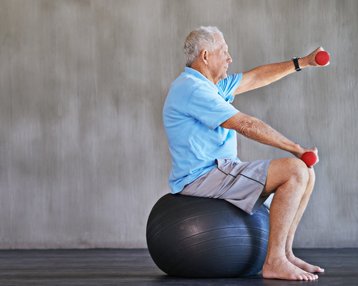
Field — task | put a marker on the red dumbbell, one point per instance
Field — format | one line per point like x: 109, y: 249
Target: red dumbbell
x: 322, y: 58
x: 310, y: 158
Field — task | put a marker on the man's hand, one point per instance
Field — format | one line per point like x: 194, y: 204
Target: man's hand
x: 301, y: 151
x: 309, y: 60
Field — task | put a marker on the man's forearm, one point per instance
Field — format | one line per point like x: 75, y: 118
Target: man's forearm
x: 267, y: 74
x: 259, y: 131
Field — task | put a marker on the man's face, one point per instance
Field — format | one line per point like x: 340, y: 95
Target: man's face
x: 219, y: 60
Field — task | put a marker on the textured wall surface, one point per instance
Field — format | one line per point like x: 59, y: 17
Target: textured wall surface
x: 83, y: 155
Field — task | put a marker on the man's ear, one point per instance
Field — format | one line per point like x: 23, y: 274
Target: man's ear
x: 204, y: 55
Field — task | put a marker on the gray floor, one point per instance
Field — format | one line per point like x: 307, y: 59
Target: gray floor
x: 135, y: 267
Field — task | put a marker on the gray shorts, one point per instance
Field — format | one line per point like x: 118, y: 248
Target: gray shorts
x: 240, y: 183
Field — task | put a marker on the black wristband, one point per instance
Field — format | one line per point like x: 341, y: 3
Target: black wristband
x: 295, y: 62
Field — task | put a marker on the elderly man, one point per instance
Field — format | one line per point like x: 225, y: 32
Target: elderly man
x: 201, y: 127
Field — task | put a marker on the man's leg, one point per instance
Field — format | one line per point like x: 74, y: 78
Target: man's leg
x: 288, y: 178
x: 291, y: 234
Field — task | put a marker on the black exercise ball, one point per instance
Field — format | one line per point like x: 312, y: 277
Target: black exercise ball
x: 202, y: 237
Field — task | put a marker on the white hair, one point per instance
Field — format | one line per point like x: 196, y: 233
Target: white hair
x: 199, y: 39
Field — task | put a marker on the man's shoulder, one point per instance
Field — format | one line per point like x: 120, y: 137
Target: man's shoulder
x: 228, y: 85
x: 186, y: 84
x: 186, y: 79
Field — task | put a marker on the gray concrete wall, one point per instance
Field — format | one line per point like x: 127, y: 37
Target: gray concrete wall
x: 83, y: 155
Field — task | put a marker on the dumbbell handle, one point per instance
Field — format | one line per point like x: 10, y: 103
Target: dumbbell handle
x: 310, y: 158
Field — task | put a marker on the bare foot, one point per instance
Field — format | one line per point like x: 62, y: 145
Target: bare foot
x: 282, y: 268
x: 304, y: 265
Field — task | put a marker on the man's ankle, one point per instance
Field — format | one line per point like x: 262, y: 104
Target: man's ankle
x: 274, y: 258
x: 289, y: 253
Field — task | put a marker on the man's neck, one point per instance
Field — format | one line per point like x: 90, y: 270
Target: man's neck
x: 203, y: 70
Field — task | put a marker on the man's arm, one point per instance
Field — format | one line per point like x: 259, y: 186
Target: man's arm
x: 259, y: 131
x: 266, y: 74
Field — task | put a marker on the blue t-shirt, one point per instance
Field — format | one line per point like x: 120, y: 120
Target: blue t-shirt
x: 193, y: 111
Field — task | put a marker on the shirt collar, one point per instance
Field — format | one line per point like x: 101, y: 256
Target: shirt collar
x: 199, y: 75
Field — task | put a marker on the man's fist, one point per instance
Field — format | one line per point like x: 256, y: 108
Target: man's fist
x: 319, y: 57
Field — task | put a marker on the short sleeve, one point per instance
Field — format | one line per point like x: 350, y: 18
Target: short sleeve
x: 209, y: 107
x: 227, y: 86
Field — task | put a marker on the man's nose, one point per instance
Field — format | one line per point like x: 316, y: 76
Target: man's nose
x: 229, y: 59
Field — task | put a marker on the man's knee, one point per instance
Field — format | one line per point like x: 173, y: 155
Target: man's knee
x: 298, y: 171
x: 282, y: 171
x: 312, y: 176
x: 311, y: 181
